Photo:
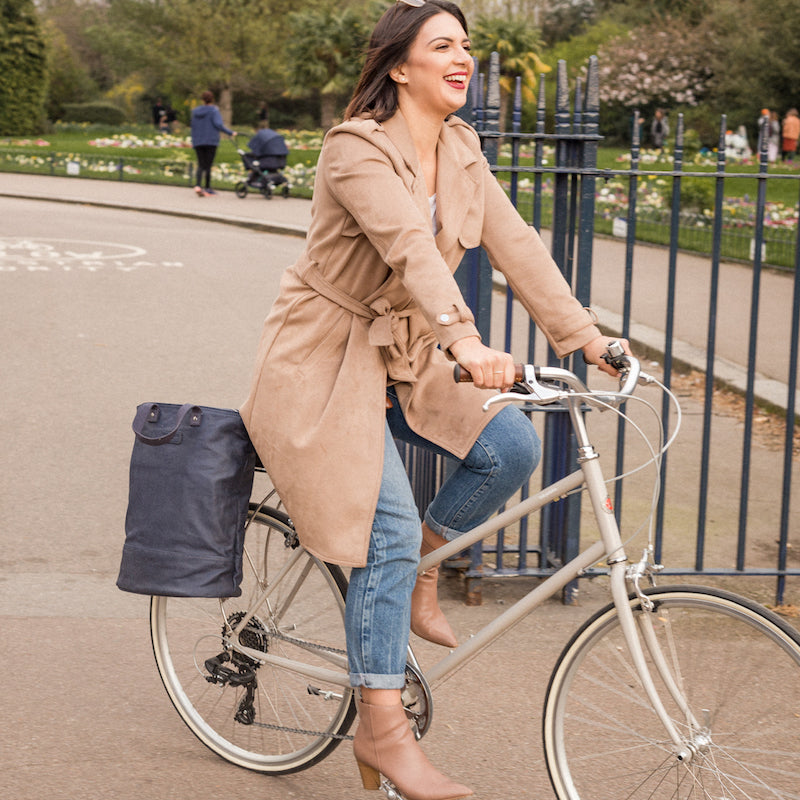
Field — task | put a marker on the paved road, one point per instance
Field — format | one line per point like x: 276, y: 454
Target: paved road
x: 102, y: 308
x: 649, y: 280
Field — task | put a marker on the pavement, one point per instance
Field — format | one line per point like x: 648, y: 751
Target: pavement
x: 86, y: 713
x: 291, y: 217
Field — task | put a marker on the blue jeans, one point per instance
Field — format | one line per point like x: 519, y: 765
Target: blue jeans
x: 378, y: 609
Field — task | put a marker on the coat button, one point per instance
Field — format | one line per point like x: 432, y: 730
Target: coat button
x: 444, y: 318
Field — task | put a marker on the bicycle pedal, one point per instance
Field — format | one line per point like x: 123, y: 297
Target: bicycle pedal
x: 392, y: 792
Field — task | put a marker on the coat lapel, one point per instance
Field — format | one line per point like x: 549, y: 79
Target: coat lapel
x: 458, y: 179
x: 397, y: 130
x: 457, y: 182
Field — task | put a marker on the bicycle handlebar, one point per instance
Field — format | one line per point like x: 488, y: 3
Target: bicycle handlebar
x: 528, y: 380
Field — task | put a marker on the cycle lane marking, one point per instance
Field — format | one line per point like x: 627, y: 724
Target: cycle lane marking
x: 41, y: 254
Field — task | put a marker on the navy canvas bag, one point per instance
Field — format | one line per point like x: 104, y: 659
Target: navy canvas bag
x: 191, y: 476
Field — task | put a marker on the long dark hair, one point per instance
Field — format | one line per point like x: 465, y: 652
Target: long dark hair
x: 376, y: 93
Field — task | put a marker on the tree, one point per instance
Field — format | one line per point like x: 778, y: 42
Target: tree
x: 183, y: 47
x: 23, y: 68
x: 518, y: 44
x: 564, y: 19
x: 753, y: 51
x: 68, y: 78
x: 657, y: 65
x: 324, y: 54
x: 637, y: 13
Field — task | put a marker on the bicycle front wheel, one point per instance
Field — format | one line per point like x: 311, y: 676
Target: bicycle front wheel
x: 738, y: 666
x: 260, y: 715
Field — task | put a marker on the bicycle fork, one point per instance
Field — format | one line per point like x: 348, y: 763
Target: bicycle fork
x: 684, y: 748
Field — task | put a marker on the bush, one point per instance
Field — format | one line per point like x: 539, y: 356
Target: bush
x: 101, y: 113
x: 697, y: 194
x: 23, y: 65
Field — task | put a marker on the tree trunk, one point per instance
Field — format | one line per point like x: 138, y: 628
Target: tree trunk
x: 327, y: 110
x: 226, y: 106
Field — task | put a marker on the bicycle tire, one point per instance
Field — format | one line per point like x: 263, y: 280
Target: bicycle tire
x: 738, y: 665
x: 289, y: 722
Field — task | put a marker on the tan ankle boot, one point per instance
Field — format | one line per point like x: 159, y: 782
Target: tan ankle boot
x: 427, y: 619
x: 384, y: 744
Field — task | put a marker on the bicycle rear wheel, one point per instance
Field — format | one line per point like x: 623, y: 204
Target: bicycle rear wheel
x: 737, y: 664
x: 254, y: 714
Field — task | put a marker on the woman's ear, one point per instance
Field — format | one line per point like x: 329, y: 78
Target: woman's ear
x: 398, y: 75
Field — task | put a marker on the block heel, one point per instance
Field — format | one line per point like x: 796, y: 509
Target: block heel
x: 370, y: 777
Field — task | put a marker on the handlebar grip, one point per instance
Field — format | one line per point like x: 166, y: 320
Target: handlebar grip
x: 461, y: 375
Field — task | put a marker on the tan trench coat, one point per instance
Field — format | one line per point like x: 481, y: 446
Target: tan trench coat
x: 316, y: 409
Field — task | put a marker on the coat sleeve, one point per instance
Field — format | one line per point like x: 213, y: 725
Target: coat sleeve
x: 219, y: 124
x: 516, y: 249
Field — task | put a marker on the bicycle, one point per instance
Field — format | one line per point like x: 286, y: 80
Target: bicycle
x: 676, y: 692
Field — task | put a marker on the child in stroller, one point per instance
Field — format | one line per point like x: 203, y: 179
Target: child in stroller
x: 264, y: 162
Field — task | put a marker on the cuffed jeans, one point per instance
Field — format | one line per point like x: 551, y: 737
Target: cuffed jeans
x: 378, y: 609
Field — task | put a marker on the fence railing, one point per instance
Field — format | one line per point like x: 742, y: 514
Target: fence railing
x: 123, y: 167
x: 753, y: 539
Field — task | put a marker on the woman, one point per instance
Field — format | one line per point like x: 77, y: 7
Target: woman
x: 358, y: 348
x: 206, y: 126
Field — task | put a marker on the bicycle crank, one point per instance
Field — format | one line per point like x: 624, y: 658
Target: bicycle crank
x: 417, y: 701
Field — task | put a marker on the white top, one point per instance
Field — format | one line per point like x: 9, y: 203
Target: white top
x: 434, y: 223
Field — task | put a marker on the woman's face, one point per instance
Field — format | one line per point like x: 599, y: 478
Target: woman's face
x: 436, y: 74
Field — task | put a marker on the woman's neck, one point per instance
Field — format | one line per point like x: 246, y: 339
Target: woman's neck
x: 424, y: 132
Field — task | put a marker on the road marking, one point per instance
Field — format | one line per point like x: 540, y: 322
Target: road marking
x: 33, y: 254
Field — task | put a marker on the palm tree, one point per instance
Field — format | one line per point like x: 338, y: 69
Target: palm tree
x: 324, y: 54
x: 517, y: 42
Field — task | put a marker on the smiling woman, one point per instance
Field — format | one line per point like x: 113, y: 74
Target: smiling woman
x: 358, y: 350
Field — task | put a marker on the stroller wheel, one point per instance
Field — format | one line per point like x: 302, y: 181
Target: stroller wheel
x: 266, y: 190
x: 285, y: 191
x: 241, y: 190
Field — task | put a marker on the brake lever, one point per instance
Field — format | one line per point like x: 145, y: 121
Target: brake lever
x: 530, y: 390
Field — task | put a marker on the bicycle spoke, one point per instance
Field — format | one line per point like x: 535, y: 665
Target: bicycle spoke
x: 738, y: 668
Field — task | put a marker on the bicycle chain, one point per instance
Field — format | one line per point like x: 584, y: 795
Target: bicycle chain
x: 342, y: 736
x: 305, y: 644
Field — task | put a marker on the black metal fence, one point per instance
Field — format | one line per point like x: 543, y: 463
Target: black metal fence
x: 726, y: 508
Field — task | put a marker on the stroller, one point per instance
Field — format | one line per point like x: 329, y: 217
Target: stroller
x: 264, y: 162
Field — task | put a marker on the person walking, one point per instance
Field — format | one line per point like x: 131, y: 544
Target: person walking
x: 206, y: 127
x: 358, y: 349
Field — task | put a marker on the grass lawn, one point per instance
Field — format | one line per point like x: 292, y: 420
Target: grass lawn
x: 140, y: 153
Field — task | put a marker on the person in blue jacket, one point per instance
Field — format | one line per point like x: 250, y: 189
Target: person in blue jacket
x: 206, y: 126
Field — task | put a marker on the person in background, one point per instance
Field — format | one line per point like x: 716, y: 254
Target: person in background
x: 207, y: 125
x: 772, y: 130
x: 790, y: 132
x: 659, y: 130
x: 159, y: 110
x: 358, y: 350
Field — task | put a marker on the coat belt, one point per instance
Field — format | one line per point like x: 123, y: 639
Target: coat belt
x: 385, y: 330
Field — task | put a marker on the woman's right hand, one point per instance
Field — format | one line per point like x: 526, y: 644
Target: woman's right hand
x: 490, y: 369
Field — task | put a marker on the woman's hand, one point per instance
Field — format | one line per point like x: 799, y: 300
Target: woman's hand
x: 490, y: 369
x: 593, y: 351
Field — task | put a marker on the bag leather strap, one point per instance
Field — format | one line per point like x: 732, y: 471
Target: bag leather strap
x: 150, y: 413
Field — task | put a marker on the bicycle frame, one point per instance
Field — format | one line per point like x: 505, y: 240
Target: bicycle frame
x: 609, y: 546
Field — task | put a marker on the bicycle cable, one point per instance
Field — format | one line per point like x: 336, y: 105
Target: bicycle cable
x: 656, y: 455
